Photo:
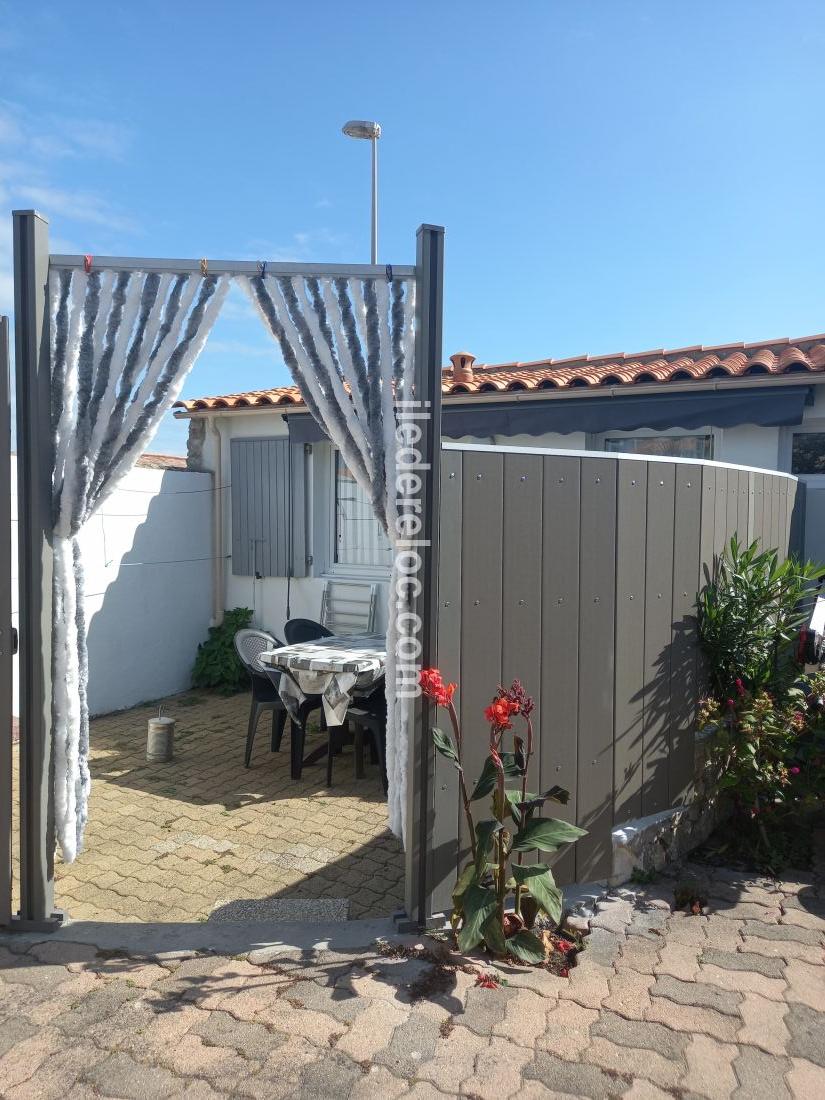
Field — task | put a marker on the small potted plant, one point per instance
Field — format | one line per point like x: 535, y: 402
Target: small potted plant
x: 498, y: 894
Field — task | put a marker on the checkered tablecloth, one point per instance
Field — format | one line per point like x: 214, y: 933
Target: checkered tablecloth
x: 333, y: 668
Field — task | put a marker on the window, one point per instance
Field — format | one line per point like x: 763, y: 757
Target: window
x: 359, y: 538
x: 808, y: 453
x: 666, y: 446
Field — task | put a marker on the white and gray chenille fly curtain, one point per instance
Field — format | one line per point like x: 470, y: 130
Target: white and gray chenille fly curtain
x: 122, y: 345
x: 348, y: 344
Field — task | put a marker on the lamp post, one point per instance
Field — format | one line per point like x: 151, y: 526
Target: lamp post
x: 369, y: 131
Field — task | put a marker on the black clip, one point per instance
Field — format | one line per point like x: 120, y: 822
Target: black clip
x: 389, y: 273
x: 262, y: 269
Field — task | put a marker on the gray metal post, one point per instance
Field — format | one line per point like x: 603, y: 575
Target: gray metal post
x: 429, y: 303
x: 35, y: 462
x: 374, y: 249
x: 6, y: 634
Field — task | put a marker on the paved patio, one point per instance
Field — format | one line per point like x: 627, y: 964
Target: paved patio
x: 176, y: 841
x: 664, y: 1004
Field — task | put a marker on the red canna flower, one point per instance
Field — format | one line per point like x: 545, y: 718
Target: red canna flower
x: 498, y: 713
x: 740, y: 687
x: 488, y: 981
x: 433, y: 686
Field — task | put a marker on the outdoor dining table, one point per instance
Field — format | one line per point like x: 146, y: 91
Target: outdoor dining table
x: 335, y: 668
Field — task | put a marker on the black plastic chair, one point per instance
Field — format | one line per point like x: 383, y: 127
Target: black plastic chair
x: 249, y: 645
x: 368, y: 713
x: 305, y: 630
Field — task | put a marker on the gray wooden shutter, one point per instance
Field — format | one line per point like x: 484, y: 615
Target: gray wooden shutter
x: 268, y: 498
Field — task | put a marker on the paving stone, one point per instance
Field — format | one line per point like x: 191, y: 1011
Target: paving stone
x: 576, y: 1078
x: 122, y: 1077
x: 745, y: 910
x: 568, y: 1030
x: 634, y: 1063
x: 691, y: 1020
x: 764, y: 1024
x: 761, y: 1076
x: 723, y: 933
x: 454, y: 1059
x: 484, y: 1009
x: 638, y: 954
x: 698, y: 994
x: 640, y: 1034
x: 807, y: 900
x: 376, y: 1023
x: 613, y: 915
x: 743, y: 981
x: 98, y: 1010
x: 377, y: 1084
x: 744, y: 960
x: 24, y: 1059
x: 587, y: 985
x: 807, y: 1033
x: 805, y: 1080
x: 679, y: 960
x: 332, y: 1075
x: 602, y: 945
x: 337, y: 1002
x: 806, y: 983
x: 785, y: 949
x: 57, y: 1074
x: 525, y: 1018
x: 646, y: 1090
x: 63, y: 953
x: 629, y: 993
x: 412, y: 1044
x: 688, y: 929
x: 249, y: 1039
x: 801, y: 918
x: 499, y: 1068
x: 279, y: 1077
x: 710, y: 1068
x: 782, y: 932
x: 15, y: 1030
x: 649, y: 923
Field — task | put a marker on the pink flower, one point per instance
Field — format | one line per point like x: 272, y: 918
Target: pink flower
x: 729, y: 703
x: 740, y: 687
x: 795, y: 770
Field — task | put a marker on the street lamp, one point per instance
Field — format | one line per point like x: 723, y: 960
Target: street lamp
x: 369, y: 131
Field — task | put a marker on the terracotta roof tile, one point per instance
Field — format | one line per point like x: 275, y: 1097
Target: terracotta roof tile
x: 767, y: 358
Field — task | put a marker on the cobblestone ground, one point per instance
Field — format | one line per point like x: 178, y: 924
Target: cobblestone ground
x: 730, y: 1003
x: 173, y: 841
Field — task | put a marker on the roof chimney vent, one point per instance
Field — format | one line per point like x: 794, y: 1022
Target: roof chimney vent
x: 462, y: 368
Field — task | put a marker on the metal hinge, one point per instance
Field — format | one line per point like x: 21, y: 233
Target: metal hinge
x: 308, y: 559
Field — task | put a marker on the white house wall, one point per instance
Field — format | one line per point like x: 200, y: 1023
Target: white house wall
x: 745, y: 444
x: 148, y: 569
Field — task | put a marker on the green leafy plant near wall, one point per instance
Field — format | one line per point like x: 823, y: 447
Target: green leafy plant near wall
x: 764, y: 719
x: 217, y: 666
x: 499, y: 893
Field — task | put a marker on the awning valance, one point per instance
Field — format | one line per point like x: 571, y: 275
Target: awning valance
x: 773, y: 406
x: 770, y: 407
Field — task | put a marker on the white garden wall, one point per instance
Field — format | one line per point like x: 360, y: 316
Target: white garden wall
x: 148, y: 559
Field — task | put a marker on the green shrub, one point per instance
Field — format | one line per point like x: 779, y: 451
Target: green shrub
x: 750, y: 612
x: 217, y: 665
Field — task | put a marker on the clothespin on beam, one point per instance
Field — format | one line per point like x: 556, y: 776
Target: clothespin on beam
x: 87, y: 263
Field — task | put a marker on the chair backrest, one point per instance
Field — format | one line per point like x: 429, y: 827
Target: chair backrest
x: 348, y: 607
x: 250, y: 644
x: 304, y: 630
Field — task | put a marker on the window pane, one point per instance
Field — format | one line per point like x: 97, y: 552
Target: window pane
x: 359, y: 539
x: 808, y: 453
x: 666, y: 446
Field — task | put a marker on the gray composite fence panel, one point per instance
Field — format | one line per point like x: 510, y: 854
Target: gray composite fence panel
x: 579, y: 575
x: 268, y: 497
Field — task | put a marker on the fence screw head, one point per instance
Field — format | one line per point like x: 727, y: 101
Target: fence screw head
x: 452, y: 473
x: 479, y: 477
x: 523, y: 477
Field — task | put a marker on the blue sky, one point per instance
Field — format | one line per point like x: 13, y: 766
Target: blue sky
x: 612, y: 175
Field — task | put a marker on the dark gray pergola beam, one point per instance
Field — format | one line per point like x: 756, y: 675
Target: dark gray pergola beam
x: 235, y: 267
x: 35, y: 463
x: 6, y: 635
